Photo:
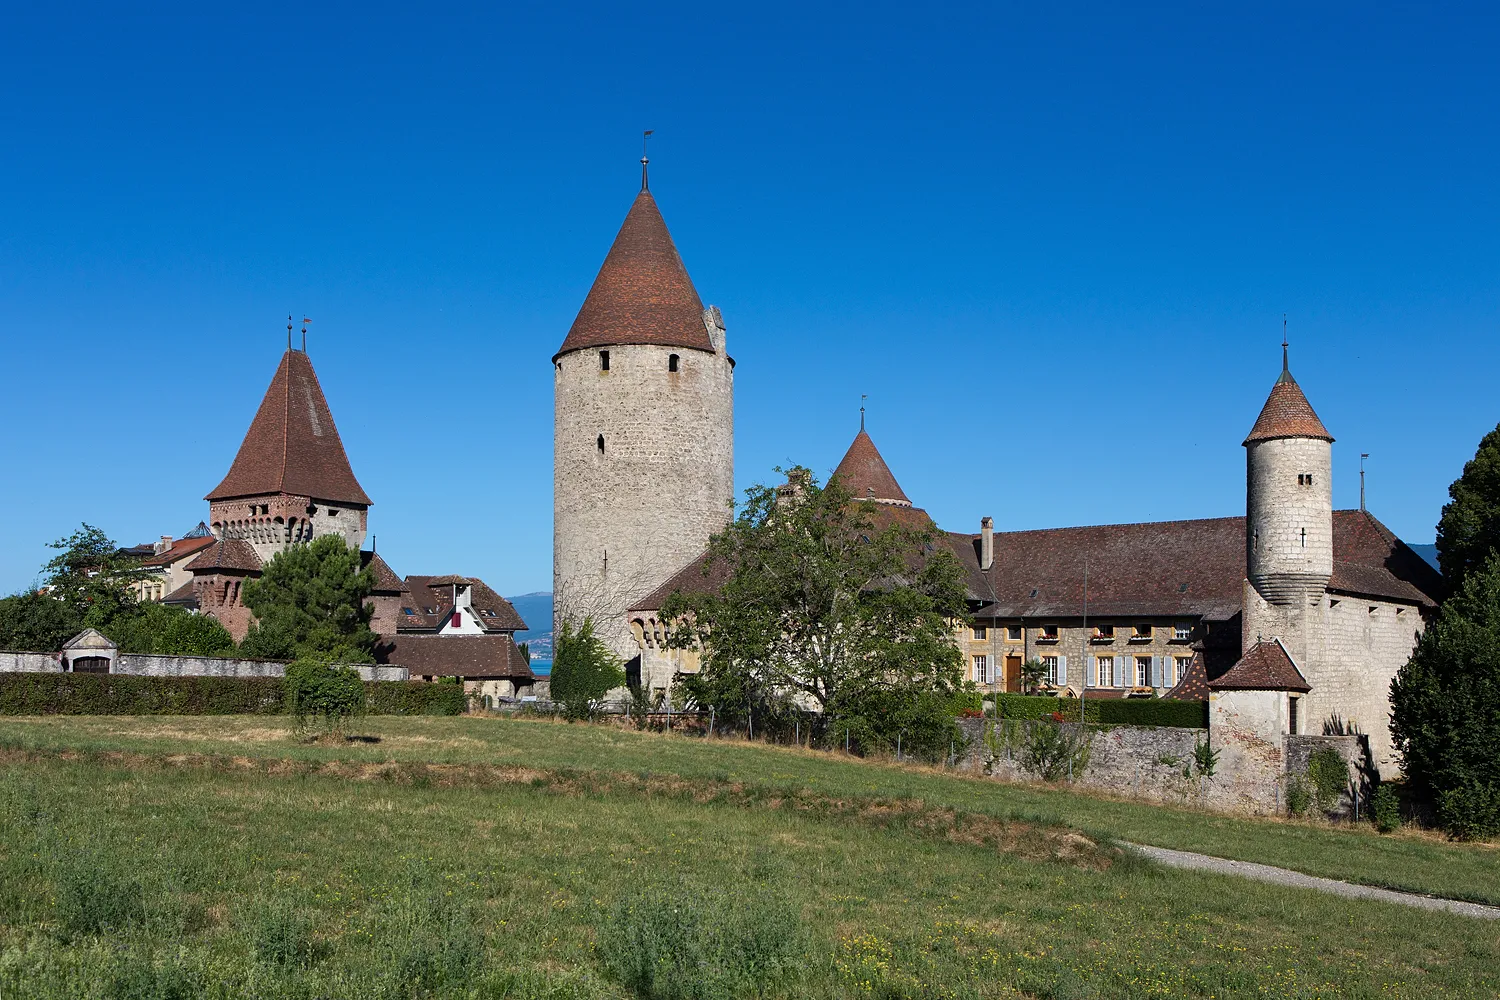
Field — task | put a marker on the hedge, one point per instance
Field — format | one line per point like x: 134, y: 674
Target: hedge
x: 1106, y: 711
x: 127, y: 694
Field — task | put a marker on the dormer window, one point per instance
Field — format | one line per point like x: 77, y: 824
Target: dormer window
x: 604, y: 361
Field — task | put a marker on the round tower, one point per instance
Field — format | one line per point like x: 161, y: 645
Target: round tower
x: 643, y: 430
x: 1289, y: 498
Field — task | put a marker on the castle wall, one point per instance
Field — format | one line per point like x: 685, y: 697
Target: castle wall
x: 271, y: 523
x: 627, y: 517
x: 1289, y: 524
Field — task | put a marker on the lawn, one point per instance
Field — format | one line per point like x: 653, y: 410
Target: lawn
x: 164, y: 876
x: 1412, y: 861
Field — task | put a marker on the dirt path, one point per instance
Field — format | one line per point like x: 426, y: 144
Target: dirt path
x: 1283, y: 876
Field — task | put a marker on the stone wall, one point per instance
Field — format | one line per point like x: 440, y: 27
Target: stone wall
x: 1289, y: 551
x: 184, y: 666
x: 30, y: 663
x: 629, y: 515
x: 1149, y: 763
x: 1356, y: 753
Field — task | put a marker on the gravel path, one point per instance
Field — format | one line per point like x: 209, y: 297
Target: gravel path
x: 1282, y: 876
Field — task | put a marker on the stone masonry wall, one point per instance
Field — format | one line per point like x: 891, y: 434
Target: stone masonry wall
x: 185, y: 666
x: 1289, y: 525
x: 30, y: 663
x: 1356, y: 753
x: 627, y: 517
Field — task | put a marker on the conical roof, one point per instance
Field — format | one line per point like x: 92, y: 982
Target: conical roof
x: 643, y: 294
x: 1287, y: 413
x: 1267, y: 666
x: 292, y: 445
x: 865, y: 474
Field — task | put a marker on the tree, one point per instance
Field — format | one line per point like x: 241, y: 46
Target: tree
x: 319, y: 695
x: 1033, y: 672
x: 37, y: 622
x: 839, y: 604
x: 310, y: 603
x: 149, y: 627
x: 91, y: 576
x: 1445, y: 707
x: 583, y: 670
x: 1469, y: 529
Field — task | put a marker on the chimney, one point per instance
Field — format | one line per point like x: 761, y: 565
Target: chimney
x: 162, y: 546
x: 986, y: 543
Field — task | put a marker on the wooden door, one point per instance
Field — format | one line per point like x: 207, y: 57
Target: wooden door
x: 1012, y: 673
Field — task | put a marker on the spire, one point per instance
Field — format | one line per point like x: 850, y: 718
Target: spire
x: 643, y: 294
x: 292, y: 445
x: 865, y: 474
x: 862, y: 398
x: 645, y: 184
x: 1287, y: 412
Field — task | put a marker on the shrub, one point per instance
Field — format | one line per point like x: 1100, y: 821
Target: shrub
x: 1205, y: 759
x: 1053, y: 753
x: 1471, y: 811
x: 1385, y: 809
x: 1328, y: 777
x: 414, y: 698
x: 583, y: 670
x: 1109, y: 712
x: 1299, y: 794
x: 124, y: 694
x: 323, y: 695
x: 675, y: 944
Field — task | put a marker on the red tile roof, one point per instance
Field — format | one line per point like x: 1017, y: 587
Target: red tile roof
x: 471, y: 656
x: 292, y: 445
x: 1287, y: 413
x: 386, y: 580
x: 1267, y: 666
x: 436, y: 592
x: 1193, y: 685
x: 643, y: 294
x: 180, y: 549
x: 233, y: 554
x: 864, y: 473
x: 185, y: 595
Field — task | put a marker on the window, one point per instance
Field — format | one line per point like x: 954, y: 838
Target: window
x: 672, y: 361
x: 1104, y: 632
x: 1143, y: 671
x: 604, y: 361
x: 1182, y: 663
x: 1293, y: 719
x: 487, y: 613
x: 1013, y: 633
x: 458, y: 620
x: 1047, y: 633
x: 980, y: 632
x: 600, y: 444
x: 1182, y: 631
x: 981, y: 669
x: 1304, y: 479
x: 1050, y: 663
x: 1141, y: 633
x: 1106, y: 671
x: 408, y: 611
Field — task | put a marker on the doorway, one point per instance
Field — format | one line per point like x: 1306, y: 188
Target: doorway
x: 1012, y: 672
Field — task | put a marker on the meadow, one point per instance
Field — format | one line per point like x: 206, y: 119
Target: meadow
x: 165, y: 857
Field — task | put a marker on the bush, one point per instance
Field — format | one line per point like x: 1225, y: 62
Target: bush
x: 320, y: 694
x: 1106, y: 711
x: 583, y: 670
x: 1299, y: 794
x: 125, y: 694
x: 1385, y: 809
x: 414, y: 698
x: 1328, y: 776
x: 1053, y: 753
x: 674, y: 944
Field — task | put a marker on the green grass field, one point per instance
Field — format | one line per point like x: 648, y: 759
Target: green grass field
x: 163, y: 857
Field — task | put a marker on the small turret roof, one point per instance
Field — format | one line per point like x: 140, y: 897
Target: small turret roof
x: 1287, y: 413
x: 643, y: 294
x: 1266, y: 666
x: 292, y: 445
x: 865, y: 474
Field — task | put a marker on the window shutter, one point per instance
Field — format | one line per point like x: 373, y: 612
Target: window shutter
x: 1093, y: 670
x: 1156, y: 679
x: 1062, y: 670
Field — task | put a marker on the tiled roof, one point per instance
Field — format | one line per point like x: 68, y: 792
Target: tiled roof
x: 1370, y: 560
x: 643, y: 294
x: 185, y: 596
x: 386, y: 580
x: 864, y: 473
x: 1287, y: 413
x: 436, y: 592
x: 227, y: 553
x: 455, y: 656
x: 698, y: 577
x: 1266, y: 667
x: 180, y: 549
x: 1193, y: 685
x: 292, y: 445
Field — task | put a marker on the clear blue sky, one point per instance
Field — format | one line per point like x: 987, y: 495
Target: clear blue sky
x: 1053, y: 244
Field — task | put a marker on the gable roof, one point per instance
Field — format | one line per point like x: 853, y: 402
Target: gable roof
x: 642, y: 294
x: 1287, y: 413
x: 179, y: 549
x: 386, y: 580
x: 1266, y: 666
x: 292, y: 445
x: 864, y: 473
x: 91, y: 639
x: 454, y: 656
x: 422, y: 592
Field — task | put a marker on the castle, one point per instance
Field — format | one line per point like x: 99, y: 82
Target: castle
x: 1295, y: 613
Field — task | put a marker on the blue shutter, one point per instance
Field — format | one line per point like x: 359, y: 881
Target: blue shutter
x: 1062, y: 671
x: 1093, y: 670
x: 1156, y: 677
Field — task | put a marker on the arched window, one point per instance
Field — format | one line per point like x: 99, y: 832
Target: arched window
x: 672, y: 362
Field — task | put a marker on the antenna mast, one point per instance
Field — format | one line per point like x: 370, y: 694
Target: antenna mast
x: 1362, y: 457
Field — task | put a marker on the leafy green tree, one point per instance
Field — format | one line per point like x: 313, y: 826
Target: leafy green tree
x: 37, y: 622
x: 91, y: 576
x: 322, y: 696
x: 1445, y: 708
x: 149, y: 627
x: 583, y: 670
x: 829, y: 601
x: 310, y: 603
x: 1469, y: 529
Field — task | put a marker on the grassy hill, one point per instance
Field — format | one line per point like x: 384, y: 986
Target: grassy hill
x: 486, y: 857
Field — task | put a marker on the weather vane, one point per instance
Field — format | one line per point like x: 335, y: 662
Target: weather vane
x: 645, y: 136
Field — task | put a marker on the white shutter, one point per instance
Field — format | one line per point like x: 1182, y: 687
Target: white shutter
x: 1062, y: 671
x: 1093, y: 670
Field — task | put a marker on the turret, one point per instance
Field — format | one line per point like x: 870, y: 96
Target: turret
x: 1289, y: 497
x: 643, y: 438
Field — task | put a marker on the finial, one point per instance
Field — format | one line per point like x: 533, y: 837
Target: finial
x: 305, y: 321
x: 289, y: 331
x: 645, y: 136
x: 1284, y: 366
x: 862, y: 398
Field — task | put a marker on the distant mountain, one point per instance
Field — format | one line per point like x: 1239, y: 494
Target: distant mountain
x: 1428, y: 552
x: 536, y: 609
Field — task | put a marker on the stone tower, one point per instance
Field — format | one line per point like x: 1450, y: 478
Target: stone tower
x: 1289, y: 518
x: 643, y: 430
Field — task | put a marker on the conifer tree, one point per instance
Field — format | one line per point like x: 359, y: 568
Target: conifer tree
x: 1470, y: 526
x: 310, y: 603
